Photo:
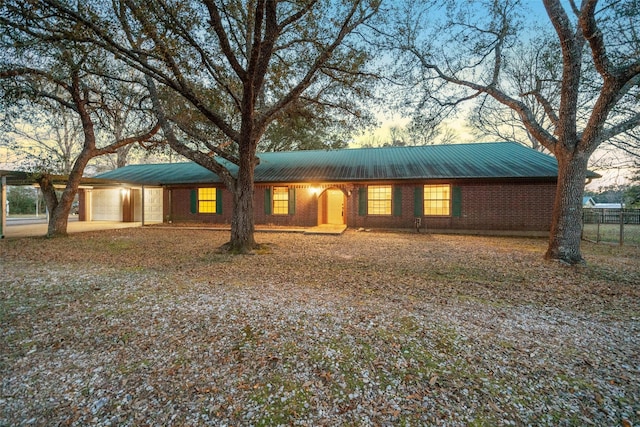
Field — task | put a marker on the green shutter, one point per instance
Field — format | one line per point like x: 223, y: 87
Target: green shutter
x: 418, y: 202
x: 292, y: 201
x: 362, y: 201
x: 194, y: 201
x: 456, y: 202
x: 397, y: 201
x: 267, y: 201
x: 218, y: 201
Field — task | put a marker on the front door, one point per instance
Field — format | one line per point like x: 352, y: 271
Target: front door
x: 335, y: 206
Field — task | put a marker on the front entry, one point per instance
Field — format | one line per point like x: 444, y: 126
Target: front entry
x: 331, y: 207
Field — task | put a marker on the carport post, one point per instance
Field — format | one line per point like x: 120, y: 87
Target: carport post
x: 3, y: 206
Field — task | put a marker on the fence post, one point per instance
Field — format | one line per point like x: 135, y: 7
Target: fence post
x: 598, y: 229
x: 3, y: 206
x: 621, y: 227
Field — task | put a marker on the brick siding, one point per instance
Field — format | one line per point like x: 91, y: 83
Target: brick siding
x: 485, y: 205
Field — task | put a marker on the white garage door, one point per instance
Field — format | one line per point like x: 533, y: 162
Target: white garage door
x: 152, y: 205
x: 106, y: 205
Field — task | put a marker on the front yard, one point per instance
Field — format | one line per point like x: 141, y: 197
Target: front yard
x: 155, y: 327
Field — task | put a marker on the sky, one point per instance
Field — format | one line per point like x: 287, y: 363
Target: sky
x: 7, y: 158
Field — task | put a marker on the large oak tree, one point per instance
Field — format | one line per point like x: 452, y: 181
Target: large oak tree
x: 238, y: 63
x: 592, y: 99
x: 46, y: 74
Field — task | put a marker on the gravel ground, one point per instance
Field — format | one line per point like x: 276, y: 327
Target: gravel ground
x: 156, y: 327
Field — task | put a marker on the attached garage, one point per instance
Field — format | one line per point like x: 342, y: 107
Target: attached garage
x: 122, y: 203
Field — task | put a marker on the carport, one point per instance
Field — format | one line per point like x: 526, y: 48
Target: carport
x: 137, y: 203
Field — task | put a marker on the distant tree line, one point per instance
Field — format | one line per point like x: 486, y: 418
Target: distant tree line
x: 22, y: 201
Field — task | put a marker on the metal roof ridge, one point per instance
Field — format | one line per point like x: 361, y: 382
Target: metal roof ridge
x: 394, y: 147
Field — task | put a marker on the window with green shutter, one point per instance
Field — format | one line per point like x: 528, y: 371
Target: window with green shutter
x: 280, y: 201
x: 207, y: 200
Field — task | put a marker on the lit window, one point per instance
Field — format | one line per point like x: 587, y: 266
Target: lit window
x: 206, y: 200
x: 379, y: 200
x: 437, y: 200
x: 280, y: 200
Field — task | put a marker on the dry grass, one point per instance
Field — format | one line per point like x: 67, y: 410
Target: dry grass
x: 155, y: 326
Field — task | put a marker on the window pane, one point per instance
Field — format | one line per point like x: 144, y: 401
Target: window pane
x: 207, y: 207
x: 206, y: 200
x: 437, y: 200
x: 280, y: 200
x: 379, y: 200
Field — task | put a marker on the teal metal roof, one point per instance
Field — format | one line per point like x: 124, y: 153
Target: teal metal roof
x: 504, y: 160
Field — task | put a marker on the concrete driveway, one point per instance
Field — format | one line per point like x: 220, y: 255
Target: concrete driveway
x: 35, y: 227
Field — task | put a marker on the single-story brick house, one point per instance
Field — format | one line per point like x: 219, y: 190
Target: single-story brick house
x: 502, y: 188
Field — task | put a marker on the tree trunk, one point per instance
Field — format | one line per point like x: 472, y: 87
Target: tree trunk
x: 243, y: 221
x: 58, y: 220
x: 59, y: 209
x: 566, y: 228
x: 57, y: 225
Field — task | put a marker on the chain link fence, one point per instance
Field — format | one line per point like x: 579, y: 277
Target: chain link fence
x: 621, y: 226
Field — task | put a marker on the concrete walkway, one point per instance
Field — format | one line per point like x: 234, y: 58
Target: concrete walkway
x: 17, y: 228
x: 334, y: 229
